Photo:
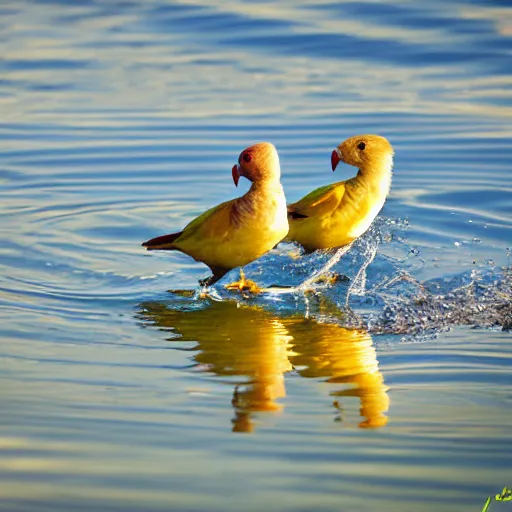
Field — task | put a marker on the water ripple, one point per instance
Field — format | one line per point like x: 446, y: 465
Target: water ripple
x: 121, y: 120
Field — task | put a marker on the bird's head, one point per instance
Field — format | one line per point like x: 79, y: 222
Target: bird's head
x: 258, y: 163
x: 364, y: 152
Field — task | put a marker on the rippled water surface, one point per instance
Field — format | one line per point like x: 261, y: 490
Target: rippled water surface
x: 389, y: 390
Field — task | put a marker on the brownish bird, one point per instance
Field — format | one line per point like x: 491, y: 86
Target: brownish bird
x: 335, y: 215
x: 239, y: 231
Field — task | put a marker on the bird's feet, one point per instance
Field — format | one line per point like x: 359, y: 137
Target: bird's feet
x: 244, y: 285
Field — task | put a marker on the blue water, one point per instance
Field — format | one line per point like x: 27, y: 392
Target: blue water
x: 390, y: 390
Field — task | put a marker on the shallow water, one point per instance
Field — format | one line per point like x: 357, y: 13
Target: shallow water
x: 390, y: 390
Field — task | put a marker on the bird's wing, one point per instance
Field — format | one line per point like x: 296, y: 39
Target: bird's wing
x: 320, y: 202
x: 214, y: 223
x: 217, y: 222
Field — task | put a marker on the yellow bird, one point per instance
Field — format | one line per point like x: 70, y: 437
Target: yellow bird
x: 239, y: 231
x: 335, y: 215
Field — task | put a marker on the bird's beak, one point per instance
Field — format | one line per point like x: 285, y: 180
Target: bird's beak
x: 335, y: 158
x: 236, y: 174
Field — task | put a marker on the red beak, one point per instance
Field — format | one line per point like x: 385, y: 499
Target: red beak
x: 236, y: 174
x: 335, y: 159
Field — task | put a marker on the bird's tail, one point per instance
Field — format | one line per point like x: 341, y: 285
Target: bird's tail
x: 162, y: 243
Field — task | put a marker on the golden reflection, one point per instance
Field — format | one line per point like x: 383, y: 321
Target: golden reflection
x: 241, y: 340
x: 342, y: 356
x: 235, y: 340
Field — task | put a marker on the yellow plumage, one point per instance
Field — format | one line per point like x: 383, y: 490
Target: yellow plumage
x: 239, y: 231
x: 335, y: 215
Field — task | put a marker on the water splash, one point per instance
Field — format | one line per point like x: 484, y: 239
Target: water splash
x: 373, y: 285
x: 477, y: 298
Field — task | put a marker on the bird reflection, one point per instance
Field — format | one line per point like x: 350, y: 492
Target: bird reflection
x: 235, y: 341
x: 342, y: 356
x: 248, y: 341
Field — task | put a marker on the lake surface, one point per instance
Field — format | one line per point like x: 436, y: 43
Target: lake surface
x: 390, y: 390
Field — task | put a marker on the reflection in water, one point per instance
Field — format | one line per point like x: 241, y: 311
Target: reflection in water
x: 241, y: 340
x: 119, y: 116
x: 342, y: 356
x: 233, y: 341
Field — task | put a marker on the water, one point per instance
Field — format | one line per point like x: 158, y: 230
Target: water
x: 121, y: 121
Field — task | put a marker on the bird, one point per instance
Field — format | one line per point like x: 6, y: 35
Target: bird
x: 335, y: 215
x: 237, y: 232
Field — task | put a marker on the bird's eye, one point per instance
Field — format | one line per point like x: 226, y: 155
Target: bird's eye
x: 361, y: 146
x: 246, y: 157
